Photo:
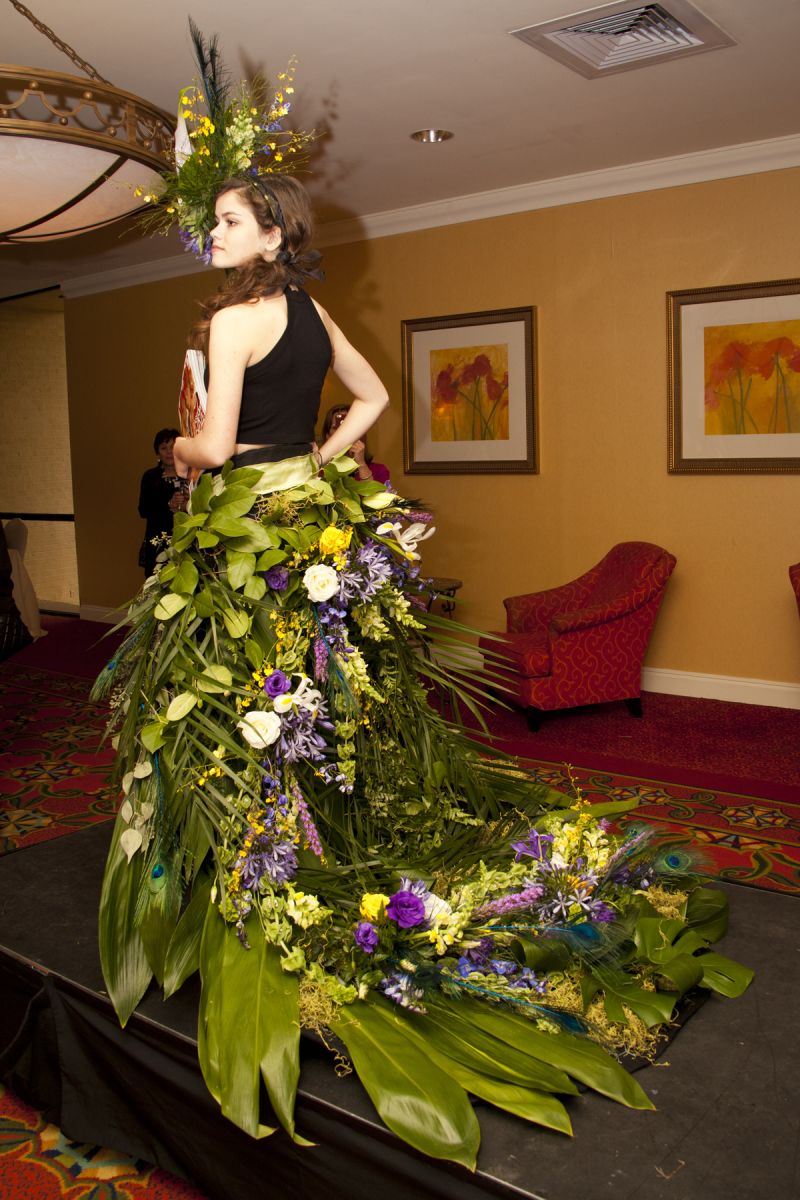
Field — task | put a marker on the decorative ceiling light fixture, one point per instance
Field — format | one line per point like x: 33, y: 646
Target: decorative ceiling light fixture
x: 431, y: 135
x: 73, y: 151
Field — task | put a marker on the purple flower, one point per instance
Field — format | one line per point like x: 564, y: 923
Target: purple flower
x: 536, y: 845
x: 366, y: 937
x: 277, y: 578
x: 406, y: 909
x: 401, y: 988
x: 276, y: 684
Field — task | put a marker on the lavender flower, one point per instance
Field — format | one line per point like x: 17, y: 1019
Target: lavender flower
x: 401, y: 988
x: 309, y: 828
x: 366, y: 937
x: 510, y: 903
x: 320, y: 659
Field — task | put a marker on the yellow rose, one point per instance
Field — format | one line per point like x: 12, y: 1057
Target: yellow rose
x: 372, y: 905
x: 333, y: 540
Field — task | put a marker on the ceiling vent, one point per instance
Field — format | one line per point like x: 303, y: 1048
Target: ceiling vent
x: 621, y: 37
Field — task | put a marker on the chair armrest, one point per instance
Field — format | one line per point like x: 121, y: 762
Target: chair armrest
x: 526, y: 613
x: 608, y: 610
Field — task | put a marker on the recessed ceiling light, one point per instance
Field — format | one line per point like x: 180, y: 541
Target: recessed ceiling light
x: 431, y: 135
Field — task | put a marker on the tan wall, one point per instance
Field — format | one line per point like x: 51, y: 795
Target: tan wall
x: 597, y: 273
x: 35, y: 474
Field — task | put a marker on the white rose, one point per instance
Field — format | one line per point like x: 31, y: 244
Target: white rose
x: 261, y: 729
x: 321, y: 582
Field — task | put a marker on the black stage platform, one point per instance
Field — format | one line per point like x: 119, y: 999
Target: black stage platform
x: 726, y: 1127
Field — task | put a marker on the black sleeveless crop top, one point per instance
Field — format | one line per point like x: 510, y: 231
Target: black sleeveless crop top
x: 281, y: 392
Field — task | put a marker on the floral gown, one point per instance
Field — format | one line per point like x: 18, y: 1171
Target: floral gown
x: 306, y: 823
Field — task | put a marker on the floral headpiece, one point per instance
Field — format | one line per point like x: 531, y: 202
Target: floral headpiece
x: 219, y: 137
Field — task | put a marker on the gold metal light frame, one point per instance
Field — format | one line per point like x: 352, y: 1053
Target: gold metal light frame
x: 102, y: 145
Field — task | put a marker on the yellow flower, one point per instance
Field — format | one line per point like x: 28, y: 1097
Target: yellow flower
x: 333, y: 540
x: 373, y: 905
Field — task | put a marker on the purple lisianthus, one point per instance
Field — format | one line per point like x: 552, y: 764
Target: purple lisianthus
x: 276, y: 684
x: 406, y: 908
x: 277, y: 578
x: 366, y: 937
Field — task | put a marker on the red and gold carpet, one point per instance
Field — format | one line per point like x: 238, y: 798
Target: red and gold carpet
x: 53, y: 771
x: 38, y: 1163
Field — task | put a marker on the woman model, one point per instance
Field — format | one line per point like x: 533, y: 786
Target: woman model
x: 368, y: 468
x: 161, y: 495
x: 299, y: 823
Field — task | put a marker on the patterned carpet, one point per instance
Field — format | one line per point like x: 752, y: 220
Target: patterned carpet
x: 53, y: 772
x: 37, y: 1162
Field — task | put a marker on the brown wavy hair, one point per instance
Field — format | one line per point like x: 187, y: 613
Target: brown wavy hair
x: 281, y: 202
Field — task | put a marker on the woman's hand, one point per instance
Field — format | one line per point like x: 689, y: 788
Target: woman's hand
x: 181, y: 465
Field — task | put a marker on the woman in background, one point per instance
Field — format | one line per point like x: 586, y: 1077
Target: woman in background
x: 367, y: 467
x: 162, y: 493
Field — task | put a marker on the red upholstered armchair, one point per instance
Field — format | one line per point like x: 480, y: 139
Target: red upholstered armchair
x: 794, y: 575
x: 584, y: 643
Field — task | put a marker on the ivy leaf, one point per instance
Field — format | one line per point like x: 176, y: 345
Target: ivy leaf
x: 236, y: 623
x: 229, y: 526
x: 240, y: 568
x: 186, y: 579
x: 256, y: 538
x: 202, y: 494
x: 169, y: 605
x: 255, y: 587
x: 204, y: 602
x: 206, y: 539
x: 180, y: 706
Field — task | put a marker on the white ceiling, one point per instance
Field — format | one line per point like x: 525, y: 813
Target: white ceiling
x: 371, y: 71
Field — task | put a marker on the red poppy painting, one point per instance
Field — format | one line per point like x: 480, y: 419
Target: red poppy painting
x: 752, y: 378
x: 734, y: 378
x: 469, y: 393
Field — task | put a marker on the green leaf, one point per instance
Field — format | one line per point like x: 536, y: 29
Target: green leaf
x: 205, y: 539
x: 246, y: 476
x: 186, y: 579
x: 126, y: 970
x: 270, y: 558
x: 229, y: 526
x: 255, y: 654
x: 204, y: 602
x: 416, y: 1099
x: 481, y: 1051
x: 723, y: 975
x: 279, y: 1034
x: 232, y: 1017
x: 235, y: 501
x: 201, y: 494
x: 152, y: 736
x: 240, y: 567
x: 236, y: 623
x: 582, y: 1059
x: 257, y: 538
x: 169, y: 605
x: 180, y: 706
x: 215, y: 678
x: 541, y: 1108
x: 183, y: 953
x: 707, y: 913
x: 654, y: 1008
x: 684, y: 970
x: 255, y: 588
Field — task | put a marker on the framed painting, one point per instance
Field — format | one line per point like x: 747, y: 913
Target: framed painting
x: 469, y: 393
x: 734, y: 378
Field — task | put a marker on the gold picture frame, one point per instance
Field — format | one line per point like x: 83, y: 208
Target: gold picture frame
x: 470, y: 393
x: 734, y: 379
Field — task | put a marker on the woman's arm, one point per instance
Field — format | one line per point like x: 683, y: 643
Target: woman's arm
x: 228, y: 352
x: 370, y: 397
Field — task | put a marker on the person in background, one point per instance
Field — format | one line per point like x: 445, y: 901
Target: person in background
x: 367, y: 467
x: 162, y: 493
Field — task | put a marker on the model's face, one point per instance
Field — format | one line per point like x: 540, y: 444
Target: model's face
x: 165, y: 454
x: 337, y: 418
x: 237, y: 237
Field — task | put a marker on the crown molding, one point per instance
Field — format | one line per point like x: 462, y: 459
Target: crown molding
x: 749, y: 158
